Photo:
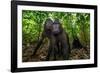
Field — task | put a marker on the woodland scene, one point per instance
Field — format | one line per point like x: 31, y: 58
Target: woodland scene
x: 52, y: 36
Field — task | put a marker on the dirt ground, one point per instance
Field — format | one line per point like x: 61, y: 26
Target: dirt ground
x: 41, y: 54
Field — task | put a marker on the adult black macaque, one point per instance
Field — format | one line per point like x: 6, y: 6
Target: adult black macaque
x: 46, y: 33
x: 59, y: 42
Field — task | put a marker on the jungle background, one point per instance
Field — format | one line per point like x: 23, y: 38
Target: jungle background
x: 75, y: 24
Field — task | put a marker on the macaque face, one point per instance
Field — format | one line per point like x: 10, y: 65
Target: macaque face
x: 49, y: 24
x: 55, y: 28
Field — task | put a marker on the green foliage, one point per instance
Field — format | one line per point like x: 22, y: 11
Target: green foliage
x: 75, y: 24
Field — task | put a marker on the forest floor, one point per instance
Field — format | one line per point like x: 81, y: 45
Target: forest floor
x: 41, y: 54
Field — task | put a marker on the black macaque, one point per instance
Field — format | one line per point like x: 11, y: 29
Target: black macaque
x: 46, y: 33
x: 59, y: 42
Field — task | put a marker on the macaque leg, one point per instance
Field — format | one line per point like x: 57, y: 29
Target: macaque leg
x: 51, y: 48
x: 54, y: 52
x: 59, y: 50
x: 65, y: 46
